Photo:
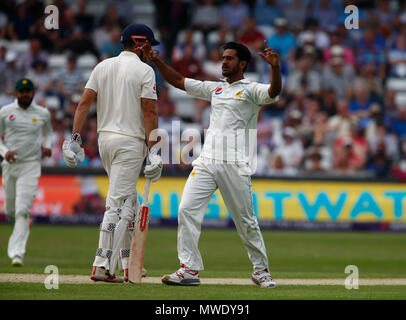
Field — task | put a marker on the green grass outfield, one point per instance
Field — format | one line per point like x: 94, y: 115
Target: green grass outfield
x: 292, y: 255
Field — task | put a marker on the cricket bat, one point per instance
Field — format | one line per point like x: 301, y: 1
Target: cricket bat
x: 139, y: 239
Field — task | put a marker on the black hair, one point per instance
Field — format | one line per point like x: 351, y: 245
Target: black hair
x: 243, y: 53
x: 129, y: 44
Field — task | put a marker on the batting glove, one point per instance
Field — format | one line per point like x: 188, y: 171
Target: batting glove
x: 153, y: 169
x: 72, y: 151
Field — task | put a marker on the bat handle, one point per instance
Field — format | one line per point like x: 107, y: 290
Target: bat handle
x: 146, y: 192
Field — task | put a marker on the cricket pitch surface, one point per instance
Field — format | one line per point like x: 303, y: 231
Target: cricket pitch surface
x: 81, y: 279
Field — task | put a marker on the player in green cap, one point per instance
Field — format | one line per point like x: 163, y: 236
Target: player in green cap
x: 27, y: 130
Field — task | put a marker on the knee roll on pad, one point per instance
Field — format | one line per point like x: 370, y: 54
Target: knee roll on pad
x: 110, y: 218
x: 104, y: 253
x: 124, y: 253
x: 129, y: 208
x: 105, y: 240
x: 107, y: 228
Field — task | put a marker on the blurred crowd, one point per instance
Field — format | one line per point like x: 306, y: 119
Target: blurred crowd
x: 343, y: 106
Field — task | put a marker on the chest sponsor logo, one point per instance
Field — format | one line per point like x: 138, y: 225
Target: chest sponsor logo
x: 11, y: 117
x: 218, y: 91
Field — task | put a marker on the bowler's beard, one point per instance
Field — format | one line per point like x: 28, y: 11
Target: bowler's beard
x: 25, y: 102
x: 230, y: 72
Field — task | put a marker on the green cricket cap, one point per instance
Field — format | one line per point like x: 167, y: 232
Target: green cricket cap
x: 24, y: 83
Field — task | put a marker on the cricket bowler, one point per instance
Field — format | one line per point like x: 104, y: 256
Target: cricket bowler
x: 126, y: 114
x: 27, y: 131
x: 235, y: 104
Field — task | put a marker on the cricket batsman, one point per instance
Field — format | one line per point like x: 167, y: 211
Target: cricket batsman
x: 27, y: 131
x: 126, y: 114
x: 235, y: 103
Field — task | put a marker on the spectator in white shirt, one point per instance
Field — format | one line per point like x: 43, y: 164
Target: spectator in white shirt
x: 212, y: 66
x: 206, y: 17
x: 291, y: 149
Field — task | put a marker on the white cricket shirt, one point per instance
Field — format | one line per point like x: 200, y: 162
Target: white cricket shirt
x: 231, y: 135
x: 120, y: 83
x: 25, y: 131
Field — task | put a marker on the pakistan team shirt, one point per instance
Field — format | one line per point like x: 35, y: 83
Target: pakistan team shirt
x: 23, y: 131
x: 233, y: 117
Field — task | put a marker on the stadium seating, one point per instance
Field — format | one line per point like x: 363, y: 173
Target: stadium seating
x: 184, y: 103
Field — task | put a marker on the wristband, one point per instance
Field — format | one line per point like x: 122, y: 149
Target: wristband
x: 76, y: 137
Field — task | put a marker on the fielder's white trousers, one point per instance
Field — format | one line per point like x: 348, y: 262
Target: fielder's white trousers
x: 234, y: 182
x: 122, y: 157
x: 20, y: 182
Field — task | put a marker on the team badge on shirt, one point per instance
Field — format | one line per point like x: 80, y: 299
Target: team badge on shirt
x: 239, y: 94
x: 34, y: 120
x: 12, y: 117
x: 218, y: 91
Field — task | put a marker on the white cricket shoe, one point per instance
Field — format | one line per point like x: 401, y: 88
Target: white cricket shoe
x: 101, y: 274
x: 263, y: 279
x: 183, y: 277
x: 144, y: 274
x: 17, y: 261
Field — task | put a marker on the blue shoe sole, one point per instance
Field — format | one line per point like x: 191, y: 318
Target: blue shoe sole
x: 189, y: 282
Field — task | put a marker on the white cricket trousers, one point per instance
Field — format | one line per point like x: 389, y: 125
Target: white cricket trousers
x: 234, y: 182
x: 122, y: 157
x: 20, y: 182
